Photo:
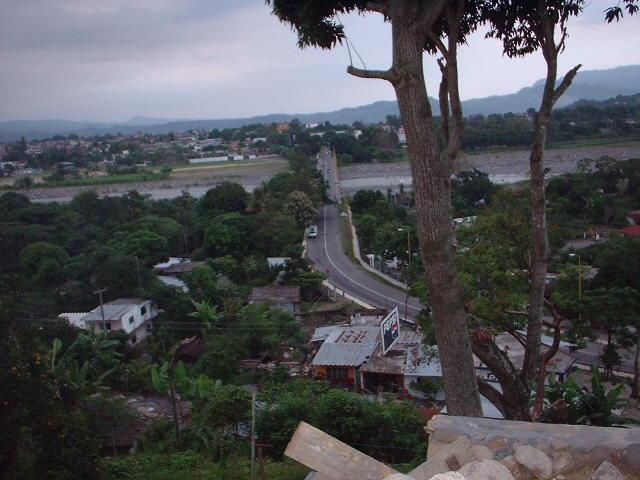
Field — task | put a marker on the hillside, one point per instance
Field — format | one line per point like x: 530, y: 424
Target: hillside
x: 588, y: 85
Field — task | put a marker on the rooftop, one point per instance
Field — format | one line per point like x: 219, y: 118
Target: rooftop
x: 112, y: 310
x: 275, y: 294
x: 348, y: 346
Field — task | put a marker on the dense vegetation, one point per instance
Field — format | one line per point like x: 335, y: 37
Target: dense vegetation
x: 60, y: 391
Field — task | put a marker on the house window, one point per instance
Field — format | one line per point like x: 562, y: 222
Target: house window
x: 337, y: 373
x: 134, y: 339
x: 143, y: 310
x: 131, y: 320
x: 108, y: 325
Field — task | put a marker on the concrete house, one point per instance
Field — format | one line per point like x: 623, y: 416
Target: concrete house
x: 131, y: 315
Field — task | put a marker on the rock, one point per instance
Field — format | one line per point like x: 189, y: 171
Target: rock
x: 631, y: 456
x: 535, y: 461
x: 497, y: 443
x: 445, y: 435
x: 448, y: 476
x: 558, y: 444
x: 435, y: 447
x: 485, y: 470
x: 562, y: 462
x: 430, y: 468
x: 607, y: 471
x: 511, y: 464
x: 457, y: 454
x: 480, y: 452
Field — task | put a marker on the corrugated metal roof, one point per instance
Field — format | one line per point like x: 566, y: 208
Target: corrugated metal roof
x: 348, y: 346
x: 343, y: 354
x: 322, y: 333
x: 111, y: 312
x: 409, y: 337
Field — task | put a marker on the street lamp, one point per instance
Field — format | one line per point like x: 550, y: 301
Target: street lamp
x: 579, y: 281
x: 406, y: 296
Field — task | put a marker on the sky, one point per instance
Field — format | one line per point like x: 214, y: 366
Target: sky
x: 110, y: 60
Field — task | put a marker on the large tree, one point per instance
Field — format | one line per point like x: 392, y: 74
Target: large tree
x: 419, y: 26
x: 439, y: 27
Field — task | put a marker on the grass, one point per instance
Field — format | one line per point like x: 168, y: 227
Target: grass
x: 228, y: 163
x: 189, y: 465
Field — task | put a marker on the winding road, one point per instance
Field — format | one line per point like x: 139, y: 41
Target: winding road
x: 327, y: 252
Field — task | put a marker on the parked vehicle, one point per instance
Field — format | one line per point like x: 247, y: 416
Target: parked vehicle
x: 313, y: 231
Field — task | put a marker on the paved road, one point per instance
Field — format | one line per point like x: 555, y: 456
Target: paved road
x: 327, y: 252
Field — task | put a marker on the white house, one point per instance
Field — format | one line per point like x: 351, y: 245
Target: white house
x: 402, y: 137
x: 132, y: 315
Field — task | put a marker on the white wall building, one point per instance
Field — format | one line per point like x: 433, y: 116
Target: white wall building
x: 131, y: 315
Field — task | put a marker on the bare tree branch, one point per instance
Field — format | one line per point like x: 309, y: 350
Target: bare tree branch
x: 388, y: 75
x: 493, y: 395
x: 566, y: 82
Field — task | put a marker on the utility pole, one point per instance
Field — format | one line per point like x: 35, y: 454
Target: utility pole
x: 253, y: 435
x: 138, y: 270
x: 104, y: 323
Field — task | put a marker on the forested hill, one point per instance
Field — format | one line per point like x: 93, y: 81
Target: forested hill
x: 588, y: 85
x: 617, y: 117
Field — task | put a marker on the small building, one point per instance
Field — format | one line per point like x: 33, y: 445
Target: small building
x: 284, y: 297
x: 132, y: 315
x: 343, y: 352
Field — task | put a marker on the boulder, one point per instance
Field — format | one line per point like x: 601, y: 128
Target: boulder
x: 485, y: 470
x: 480, y: 452
x: 562, y: 462
x: 448, y: 476
x: 631, y: 456
x: 511, y: 464
x: 607, y: 471
x: 458, y: 453
x: 444, y: 435
x: 435, y: 447
x: 428, y: 469
x: 558, y: 444
x: 535, y: 461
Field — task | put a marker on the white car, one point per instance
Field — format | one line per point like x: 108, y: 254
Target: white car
x: 313, y: 231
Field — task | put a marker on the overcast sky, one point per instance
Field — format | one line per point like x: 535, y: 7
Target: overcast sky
x: 113, y: 59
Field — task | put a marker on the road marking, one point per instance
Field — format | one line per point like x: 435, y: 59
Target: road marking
x: 326, y: 251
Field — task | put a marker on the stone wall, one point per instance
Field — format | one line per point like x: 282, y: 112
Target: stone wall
x: 536, y: 450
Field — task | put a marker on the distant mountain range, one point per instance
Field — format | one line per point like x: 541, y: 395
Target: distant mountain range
x: 588, y: 85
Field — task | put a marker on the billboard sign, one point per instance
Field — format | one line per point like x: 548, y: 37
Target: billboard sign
x: 390, y: 328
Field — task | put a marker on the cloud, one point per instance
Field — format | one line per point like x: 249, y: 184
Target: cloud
x: 110, y: 60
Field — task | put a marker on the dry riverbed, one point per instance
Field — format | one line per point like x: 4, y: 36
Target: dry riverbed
x: 503, y: 167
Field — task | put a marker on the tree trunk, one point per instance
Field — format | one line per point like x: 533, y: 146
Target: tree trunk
x: 514, y: 399
x: 538, y: 271
x: 174, y: 406
x: 636, y: 367
x: 431, y: 178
